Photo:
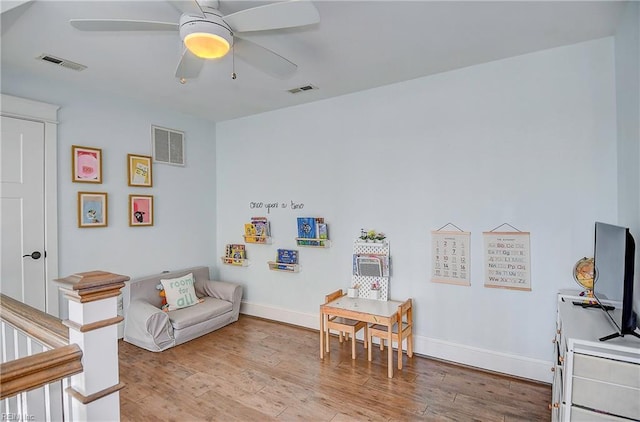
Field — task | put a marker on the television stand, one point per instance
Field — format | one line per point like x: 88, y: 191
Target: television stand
x: 594, y: 305
x: 593, y: 380
x: 616, y: 335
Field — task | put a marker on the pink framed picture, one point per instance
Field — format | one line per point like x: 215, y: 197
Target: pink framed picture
x: 86, y: 164
x: 140, y: 210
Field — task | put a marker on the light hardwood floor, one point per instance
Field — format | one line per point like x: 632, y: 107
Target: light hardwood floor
x: 257, y: 370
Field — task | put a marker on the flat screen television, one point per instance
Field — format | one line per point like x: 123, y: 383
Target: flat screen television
x: 614, y: 258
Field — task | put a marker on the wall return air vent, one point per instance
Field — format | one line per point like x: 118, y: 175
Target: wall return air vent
x: 61, y: 62
x: 168, y: 146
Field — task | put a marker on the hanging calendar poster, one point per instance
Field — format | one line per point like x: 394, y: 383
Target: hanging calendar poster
x: 507, y: 260
x: 450, y: 257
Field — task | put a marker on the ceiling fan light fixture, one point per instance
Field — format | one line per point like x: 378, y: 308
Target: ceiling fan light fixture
x: 206, y: 45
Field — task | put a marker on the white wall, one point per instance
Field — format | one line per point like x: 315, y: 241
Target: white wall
x: 184, y: 228
x: 627, y: 48
x: 529, y: 141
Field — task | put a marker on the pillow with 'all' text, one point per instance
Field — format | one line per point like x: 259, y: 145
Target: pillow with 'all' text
x: 180, y: 292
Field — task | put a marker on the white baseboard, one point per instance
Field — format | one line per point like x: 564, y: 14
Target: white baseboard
x: 282, y: 315
x: 491, y: 360
x: 518, y: 366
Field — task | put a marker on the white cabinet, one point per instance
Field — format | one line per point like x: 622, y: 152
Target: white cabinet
x: 593, y: 380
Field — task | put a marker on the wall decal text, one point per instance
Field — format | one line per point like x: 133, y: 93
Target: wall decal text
x: 276, y: 205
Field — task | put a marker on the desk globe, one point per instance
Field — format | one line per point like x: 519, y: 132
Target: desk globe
x: 584, y: 272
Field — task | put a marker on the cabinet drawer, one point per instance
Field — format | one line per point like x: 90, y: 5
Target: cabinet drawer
x: 607, y: 370
x: 583, y: 415
x: 611, y: 398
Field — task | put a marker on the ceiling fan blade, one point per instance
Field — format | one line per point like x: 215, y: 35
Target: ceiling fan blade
x: 285, y: 14
x: 187, y: 6
x: 264, y: 59
x: 190, y: 66
x: 121, y: 25
x: 8, y: 5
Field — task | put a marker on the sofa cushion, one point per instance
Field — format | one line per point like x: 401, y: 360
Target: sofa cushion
x: 180, y: 292
x: 209, y: 308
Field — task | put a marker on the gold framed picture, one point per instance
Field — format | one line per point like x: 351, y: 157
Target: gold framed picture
x: 86, y: 164
x: 92, y: 209
x: 139, y: 170
x: 140, y: 210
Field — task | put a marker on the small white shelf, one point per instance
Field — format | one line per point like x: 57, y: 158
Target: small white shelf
x: 313, y: 242
x: 236, y: 262
x: 287, y: 268
x: 260, y: 240
x: 381, y: 244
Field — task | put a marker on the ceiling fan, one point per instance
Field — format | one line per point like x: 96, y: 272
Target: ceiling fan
x: 208, y: 34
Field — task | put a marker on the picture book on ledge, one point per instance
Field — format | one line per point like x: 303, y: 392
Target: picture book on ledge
x: 257, y: 231
x: 286, y: 260
x: 312, y: 231
x: 287, y: 256
x: 235, y: 254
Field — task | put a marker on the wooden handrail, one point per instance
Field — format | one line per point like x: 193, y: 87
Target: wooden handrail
x: 39, y: 325
x: 34, y: 371
x: 30, y: 372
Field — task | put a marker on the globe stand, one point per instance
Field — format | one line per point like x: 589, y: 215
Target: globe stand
x: 589, y: 301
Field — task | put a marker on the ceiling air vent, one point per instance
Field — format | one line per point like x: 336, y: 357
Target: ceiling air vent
x: 61, y: 62
x: 168, y: 146
x: 302, y: 89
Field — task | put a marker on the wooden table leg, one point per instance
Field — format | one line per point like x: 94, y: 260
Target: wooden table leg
x: 390, y: 349
x: 322, y: 334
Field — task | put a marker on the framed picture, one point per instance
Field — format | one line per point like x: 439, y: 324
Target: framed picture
x: 92, y: 209
x: 139, y: 170
x: 87, y: 164
x: 140, y: 210
x: 507, y: 259
x: 450, y: 257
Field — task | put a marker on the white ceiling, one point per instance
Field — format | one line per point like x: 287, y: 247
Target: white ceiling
x: 357, y: 45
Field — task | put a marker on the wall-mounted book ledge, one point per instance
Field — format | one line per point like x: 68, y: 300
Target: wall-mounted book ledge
x: 265, y: 240
x: 377, y: 244
x: 238, y: 262
x: 235, y: 254
x: 279, y: 266
x: 312, y: 233
x: 313, y: 243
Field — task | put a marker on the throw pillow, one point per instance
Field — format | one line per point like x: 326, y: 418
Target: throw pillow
x: 180, y: 292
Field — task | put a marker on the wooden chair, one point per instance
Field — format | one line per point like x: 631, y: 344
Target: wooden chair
x: 405, y: 322
x: 345, y: 327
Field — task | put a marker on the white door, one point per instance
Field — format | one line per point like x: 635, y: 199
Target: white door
x: 22, y: 171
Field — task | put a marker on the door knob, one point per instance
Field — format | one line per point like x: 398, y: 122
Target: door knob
x: 34, y: 255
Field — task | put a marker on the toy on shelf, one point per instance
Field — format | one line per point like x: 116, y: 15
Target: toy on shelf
x: 257, y: 231
x: 372, y: 238
x: 287, y: 260
x: 312, y: 232
x: 235, y: 254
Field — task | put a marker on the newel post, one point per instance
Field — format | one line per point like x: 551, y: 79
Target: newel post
x: 93, y: 319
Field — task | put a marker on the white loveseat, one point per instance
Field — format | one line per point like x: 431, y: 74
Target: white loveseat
x: 148, y: 326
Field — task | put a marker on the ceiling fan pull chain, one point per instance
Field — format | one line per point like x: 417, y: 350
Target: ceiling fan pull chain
x: 233, y: 61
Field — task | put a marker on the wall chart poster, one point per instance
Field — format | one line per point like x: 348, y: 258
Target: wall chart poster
x: 450, y: 257
x: 507, y: 260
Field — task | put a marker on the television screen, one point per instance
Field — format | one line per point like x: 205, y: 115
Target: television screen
x: 609, y: 252
x: 614, y: 256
